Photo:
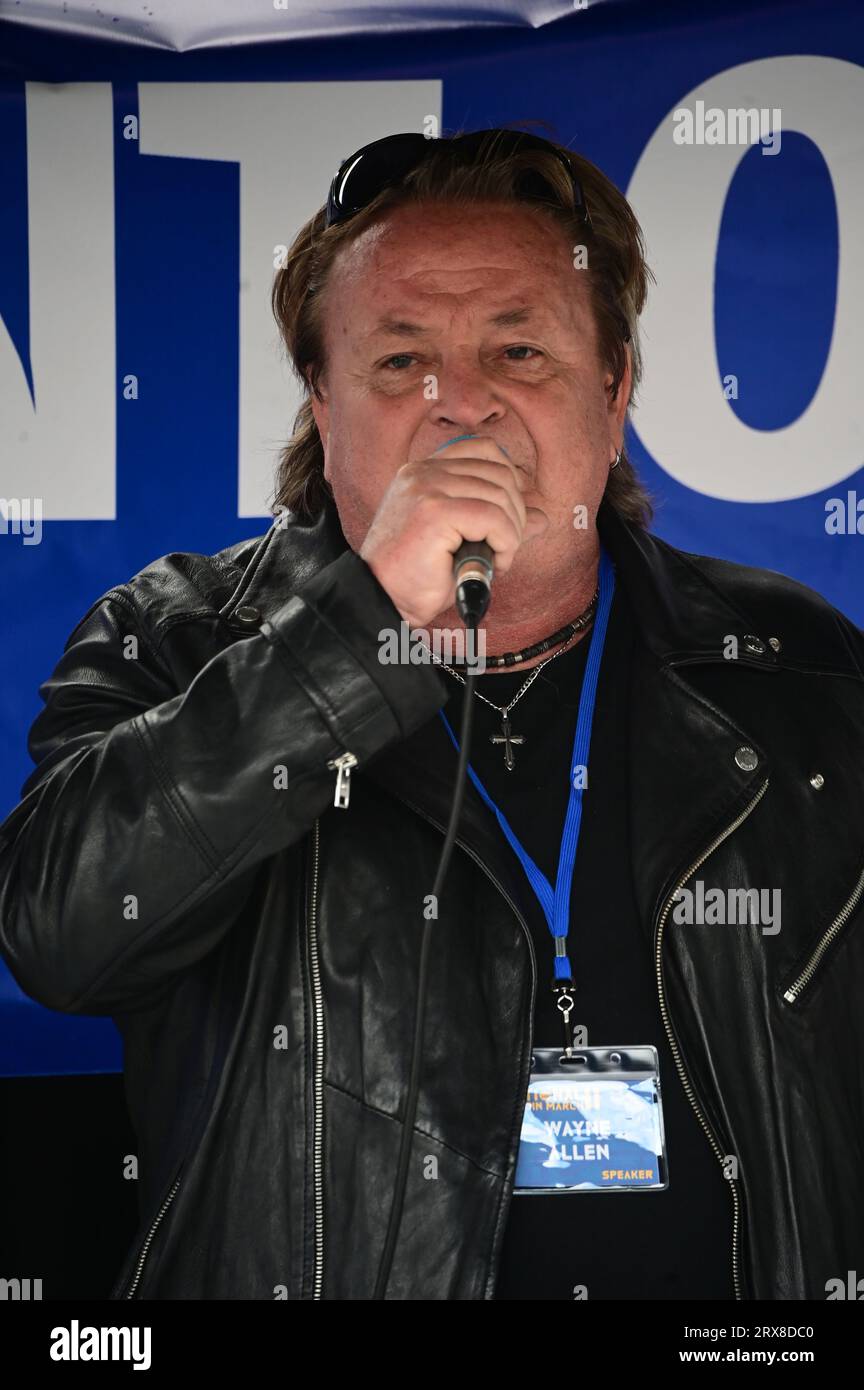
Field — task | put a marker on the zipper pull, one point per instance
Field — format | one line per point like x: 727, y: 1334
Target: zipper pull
x: 342, y: 766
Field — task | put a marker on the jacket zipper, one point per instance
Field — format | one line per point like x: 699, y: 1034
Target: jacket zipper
x: 142, y: 1255
x: 317, y: 1075
x: 796, y: 989
x: 685, y: 1080
x: 342, y: 767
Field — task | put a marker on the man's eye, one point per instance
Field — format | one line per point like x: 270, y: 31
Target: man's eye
x: 523, y: 347
x: 397, y: 356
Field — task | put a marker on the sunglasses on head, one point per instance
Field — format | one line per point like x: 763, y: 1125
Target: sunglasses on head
x: 367, y: 172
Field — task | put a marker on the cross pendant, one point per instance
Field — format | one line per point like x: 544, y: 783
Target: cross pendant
x: 508, y: 739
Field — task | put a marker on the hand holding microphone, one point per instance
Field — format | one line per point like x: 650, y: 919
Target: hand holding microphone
x: 449, y: 517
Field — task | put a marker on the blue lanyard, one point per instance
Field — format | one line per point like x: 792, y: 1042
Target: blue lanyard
x: 556, y: 905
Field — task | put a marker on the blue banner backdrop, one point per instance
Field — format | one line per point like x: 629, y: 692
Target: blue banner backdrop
x: 145, y: 196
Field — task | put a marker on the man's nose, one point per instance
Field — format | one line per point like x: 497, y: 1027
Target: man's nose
x: 465, y: 400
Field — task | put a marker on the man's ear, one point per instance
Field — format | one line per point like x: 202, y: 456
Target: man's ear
x: 617, y: 406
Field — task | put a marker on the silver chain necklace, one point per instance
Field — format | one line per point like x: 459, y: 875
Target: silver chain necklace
x: 506, y: 736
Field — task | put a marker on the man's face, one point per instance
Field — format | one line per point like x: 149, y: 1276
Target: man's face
x: 396, y: 392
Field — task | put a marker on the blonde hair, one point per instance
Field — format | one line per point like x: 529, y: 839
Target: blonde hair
x: 617, y: 276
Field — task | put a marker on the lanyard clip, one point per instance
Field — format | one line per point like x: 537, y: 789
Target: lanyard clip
x: 564, y: 991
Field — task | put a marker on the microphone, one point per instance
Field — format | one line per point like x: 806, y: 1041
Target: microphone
x: 473, y: 566
x: 473, y: 570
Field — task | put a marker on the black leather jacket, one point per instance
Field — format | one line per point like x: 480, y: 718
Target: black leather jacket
x: 176, y: 861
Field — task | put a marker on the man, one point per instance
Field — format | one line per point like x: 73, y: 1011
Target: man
x: 463, y: 313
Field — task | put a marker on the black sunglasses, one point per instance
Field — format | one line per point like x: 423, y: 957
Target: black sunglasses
x: 370, y: 170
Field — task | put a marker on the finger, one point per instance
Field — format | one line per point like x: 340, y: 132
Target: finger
x: 473, y: 519
x: 473, y: 471
x: 480, y: 470
x: 484, y: 447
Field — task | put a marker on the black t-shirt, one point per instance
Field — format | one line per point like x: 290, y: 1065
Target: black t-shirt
x: 674, y: 1243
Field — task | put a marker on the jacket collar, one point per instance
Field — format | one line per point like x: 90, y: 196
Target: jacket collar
x: 682, y: 745
x: 684, y: 604
x: 689, y: 786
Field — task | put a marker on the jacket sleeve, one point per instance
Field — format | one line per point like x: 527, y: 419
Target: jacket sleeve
x: 137, y: 836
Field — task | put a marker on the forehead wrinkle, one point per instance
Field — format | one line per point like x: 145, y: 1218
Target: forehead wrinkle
x: 413, y: 231
x: 393, y: 325
x: 369, y: 262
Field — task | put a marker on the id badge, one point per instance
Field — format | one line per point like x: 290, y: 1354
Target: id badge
x: 593, y: 1122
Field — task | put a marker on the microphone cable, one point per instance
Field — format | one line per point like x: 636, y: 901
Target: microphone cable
x: 470, y: 619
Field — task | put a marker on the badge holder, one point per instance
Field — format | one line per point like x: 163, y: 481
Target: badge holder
x: 593, y: 1122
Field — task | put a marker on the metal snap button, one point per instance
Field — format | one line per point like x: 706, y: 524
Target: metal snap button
x: 746, y: 758
x: 246, y: 616
x: 753, y: 644
x: 817, y: 781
